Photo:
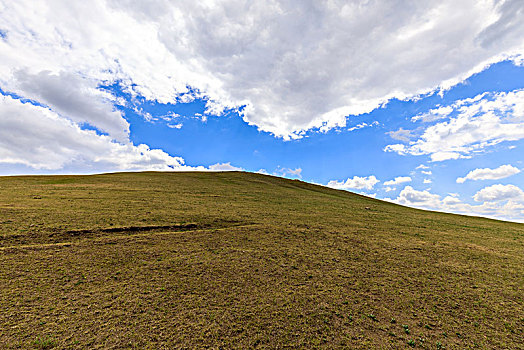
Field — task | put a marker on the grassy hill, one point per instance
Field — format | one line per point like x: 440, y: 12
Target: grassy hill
x: 237, y: 260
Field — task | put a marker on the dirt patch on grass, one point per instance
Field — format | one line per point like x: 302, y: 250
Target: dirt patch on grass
x: 61, y: 237
x: 132, y: 229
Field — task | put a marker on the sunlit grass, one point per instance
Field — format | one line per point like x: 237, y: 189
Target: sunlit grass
x: 193, y: 260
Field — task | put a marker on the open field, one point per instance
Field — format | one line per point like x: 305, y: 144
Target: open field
x: 236, y: 260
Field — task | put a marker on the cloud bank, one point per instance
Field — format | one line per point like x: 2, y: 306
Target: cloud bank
x: 497, y: 201
x: 295, y: 66
x: 37, y: 137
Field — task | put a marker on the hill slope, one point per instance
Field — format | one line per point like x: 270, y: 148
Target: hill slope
x: 237, y: 260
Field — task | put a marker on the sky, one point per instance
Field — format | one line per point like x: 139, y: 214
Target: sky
x: 418, y: 103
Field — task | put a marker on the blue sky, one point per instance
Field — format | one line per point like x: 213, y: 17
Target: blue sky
x: 426, y: 111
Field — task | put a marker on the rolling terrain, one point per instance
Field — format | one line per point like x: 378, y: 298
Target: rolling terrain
x: 237, y: 260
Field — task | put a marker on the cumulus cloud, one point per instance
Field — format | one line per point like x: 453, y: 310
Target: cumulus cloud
x: 411, y: 197
x: 39, y: 138
x: 472, y: 126
x: 451, y: 200
x: 496, y: 193
x: 357, y: 182
x: 497, y: 201
x: 74, y: 97
x: 501, y: 172
x: 397, y: 180
x: 295, y: 66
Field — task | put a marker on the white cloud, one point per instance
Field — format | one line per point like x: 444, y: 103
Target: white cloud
x: 39, y: 138
x: 496, y: 193
x: 288, y: 172
x: 451, y: 200
x: 75, y: 97
x: 427, y: 181
x: 501, y: 172
x: 479, y: 123
x: 356, y: 182
x: 411, y: 197
x: 224, y: 167
x: 294, y: 65
x: 284, y: 172
x: 397, y: 180
x: 498, y: 202
x: 263, y: 171
x: 426, y: 172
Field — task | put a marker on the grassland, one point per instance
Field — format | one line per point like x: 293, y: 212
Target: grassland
x: 235, y: 260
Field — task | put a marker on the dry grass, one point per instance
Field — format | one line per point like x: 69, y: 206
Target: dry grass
x: 235, y: 260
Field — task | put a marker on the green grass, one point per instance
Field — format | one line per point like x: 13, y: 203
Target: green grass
x: 235, y: 260
x: 44, y: 343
